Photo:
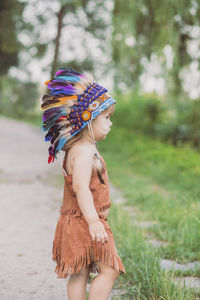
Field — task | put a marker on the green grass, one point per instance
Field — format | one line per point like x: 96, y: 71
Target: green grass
x: 163, y: 182
x: 144, y: 278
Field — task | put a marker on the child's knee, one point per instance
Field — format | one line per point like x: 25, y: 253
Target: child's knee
x: 82, y: 273
x: 109, y: 271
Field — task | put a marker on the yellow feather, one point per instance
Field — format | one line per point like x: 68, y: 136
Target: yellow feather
x: 74, y: 97
x: 60, y: 103
x: 46, y: 82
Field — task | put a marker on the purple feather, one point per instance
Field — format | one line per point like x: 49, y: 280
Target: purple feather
x: 58, y: 80
x: 70, y: 71
x: 58, y: 72
x: 51, y: 150
x: 60, y: 87
x: 49, y: 112
x: 66, y: 88
x: 62, y: 83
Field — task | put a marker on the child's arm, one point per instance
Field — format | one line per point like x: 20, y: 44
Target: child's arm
x: 81, y: 176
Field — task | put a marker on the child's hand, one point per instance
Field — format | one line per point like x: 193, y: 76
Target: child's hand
x: 98, y: 232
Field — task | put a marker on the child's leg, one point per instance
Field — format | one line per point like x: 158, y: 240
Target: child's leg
x: 102, y: 284
x: 77, y: 283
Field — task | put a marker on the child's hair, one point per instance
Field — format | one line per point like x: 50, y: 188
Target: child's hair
x: 97, y: 164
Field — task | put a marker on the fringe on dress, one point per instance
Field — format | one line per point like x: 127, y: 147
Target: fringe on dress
x: 73, y: 248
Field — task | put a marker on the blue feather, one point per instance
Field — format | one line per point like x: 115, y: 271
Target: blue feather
x: 61, y: 143
x: 70, y: 78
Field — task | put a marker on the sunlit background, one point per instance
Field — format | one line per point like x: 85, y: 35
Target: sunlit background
x: 147, y: 54
x: 133, y: 48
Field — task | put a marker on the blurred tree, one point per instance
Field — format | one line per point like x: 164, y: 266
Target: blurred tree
x: 87, y: 15
x: 64, y: 8
x: 45, y: 32
x: 142, y: 27
x: 18, y: 99
x: 15, y: 97
x: 63, y: 32
x: 10, y: 23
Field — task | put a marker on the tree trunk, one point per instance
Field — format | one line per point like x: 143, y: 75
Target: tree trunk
x: 60, y: 16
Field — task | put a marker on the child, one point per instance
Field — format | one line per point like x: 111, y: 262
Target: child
x: 77, y: 114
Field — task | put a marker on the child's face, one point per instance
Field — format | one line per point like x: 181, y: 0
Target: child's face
x: 101, y: 125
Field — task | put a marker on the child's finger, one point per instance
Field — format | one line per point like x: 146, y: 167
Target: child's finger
x: 93, y: 236
x: 102, y: 238
x: 98, y: 236
x: 106, y: 237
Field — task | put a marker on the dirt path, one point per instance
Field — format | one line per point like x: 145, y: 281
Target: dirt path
x: 29, y: 207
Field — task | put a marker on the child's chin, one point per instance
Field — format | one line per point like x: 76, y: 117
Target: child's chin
x: 103, y: 137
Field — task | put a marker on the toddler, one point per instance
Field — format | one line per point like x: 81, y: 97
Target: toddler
x: 76, y: 114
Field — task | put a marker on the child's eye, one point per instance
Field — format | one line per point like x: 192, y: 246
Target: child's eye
x: 107, y: 117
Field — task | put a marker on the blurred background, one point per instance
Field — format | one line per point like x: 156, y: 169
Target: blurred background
x: 147, y: 55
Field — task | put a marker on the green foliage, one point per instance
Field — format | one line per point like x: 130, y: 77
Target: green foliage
x: 17, y: 98
x: 142, y: 28
x: 163, y: 182
x: 92, y: 20
x: 153, y: 116
x: 184, y: 126
x: 140, y: 113
x: 10, y: 22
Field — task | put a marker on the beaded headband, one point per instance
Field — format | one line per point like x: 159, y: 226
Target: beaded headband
x: 73, y: 101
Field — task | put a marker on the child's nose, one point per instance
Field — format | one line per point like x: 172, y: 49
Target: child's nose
x: 110, y: 123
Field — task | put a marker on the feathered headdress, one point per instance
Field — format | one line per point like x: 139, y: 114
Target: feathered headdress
x: 73, y: 101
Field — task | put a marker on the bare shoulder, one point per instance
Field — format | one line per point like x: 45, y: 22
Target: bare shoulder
x: 82, y: 149
x: 83, y: 158
x: 80, y: 154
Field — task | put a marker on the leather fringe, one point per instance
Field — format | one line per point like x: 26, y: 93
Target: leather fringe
x: 104, y: 207
x: 70, y: 211
x: 77, y: 212
x: 65, y: 269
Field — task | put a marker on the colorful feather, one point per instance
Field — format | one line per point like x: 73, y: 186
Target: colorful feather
x: 70, y: 94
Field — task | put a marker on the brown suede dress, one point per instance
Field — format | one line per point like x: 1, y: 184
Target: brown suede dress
x: 73, y: 248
